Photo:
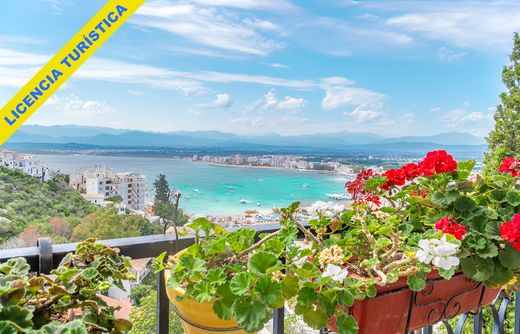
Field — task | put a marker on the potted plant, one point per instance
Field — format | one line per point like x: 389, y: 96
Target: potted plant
x: 68, y: 300
x: 225, y: 281
x: 420, y: 244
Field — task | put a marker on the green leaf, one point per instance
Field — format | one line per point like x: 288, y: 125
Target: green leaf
x: 347, y: 325
x: 478, y: 268
x: 346, y: 298
x: 464, y: 169
x: 223, y: 309
x: 18, y: 315
x: 270, y: 292
x: 509, y: 257
x: 173, y: 282
x: 371, y: 291
x: 191, y: 263
x: 464, y: 204
x: 417, y: 281
x: 498, y: 195
x: 492, y: 230
x: 251, y: 315
x: 315, y: 318
x: 513, y: 198
x: 216, y: 276
x: 489, y: 251
x: 261, y: 262
x: 447, y: 274
x: 290, y: 286
x: 7, y: 327
x: 89, y: 273
x: 500, y: 276
x: 203, y: 292
x: 375, y: 183
x: 241, y: 283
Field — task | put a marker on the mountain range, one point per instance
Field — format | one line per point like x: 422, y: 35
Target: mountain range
x: 103, y: 140
x: 103, y: 136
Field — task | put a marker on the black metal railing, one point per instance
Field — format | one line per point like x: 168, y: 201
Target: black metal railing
x: 47, y: 256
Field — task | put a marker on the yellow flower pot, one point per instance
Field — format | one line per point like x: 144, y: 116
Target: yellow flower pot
x: 198, y: 318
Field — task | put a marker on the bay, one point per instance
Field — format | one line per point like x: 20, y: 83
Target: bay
x: 215, y: 190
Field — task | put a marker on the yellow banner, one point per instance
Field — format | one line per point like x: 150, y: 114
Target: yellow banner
x: 64, y: 64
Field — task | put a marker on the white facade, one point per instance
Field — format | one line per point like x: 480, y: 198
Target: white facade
x: 28, y: 164
x: 101, y: 181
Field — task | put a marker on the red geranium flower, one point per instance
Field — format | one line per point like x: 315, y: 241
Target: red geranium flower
x: 437, y: 162
x: 356, y: 187
x: 374, y: 199
x: 510, y: 165
x: 451, y: 226
x: 510, y: 231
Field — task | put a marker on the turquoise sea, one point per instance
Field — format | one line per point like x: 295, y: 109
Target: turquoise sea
x: 215, y: 190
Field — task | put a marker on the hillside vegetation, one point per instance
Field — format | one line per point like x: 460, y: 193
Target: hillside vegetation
x: 30, y: 209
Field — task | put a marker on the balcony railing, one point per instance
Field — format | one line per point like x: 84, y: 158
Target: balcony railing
x: 47, y: 256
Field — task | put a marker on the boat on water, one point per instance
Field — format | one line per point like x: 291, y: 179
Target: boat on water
x: 260, y: 180
x: 258, y: 204
x: 338, y: 197
x: 244, y: 201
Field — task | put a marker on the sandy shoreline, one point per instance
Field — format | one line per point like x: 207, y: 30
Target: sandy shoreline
x: 269, y: 167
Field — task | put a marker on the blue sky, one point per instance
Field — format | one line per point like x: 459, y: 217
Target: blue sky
x: 246, y: 66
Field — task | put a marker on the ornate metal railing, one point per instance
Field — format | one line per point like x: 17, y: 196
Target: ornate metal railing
x: 47, y: 256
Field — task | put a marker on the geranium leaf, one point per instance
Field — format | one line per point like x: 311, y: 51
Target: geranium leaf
x: 417, y: 281
x: 480, y: 269
x: 290, y: 286
x: 251, y: 316
x: 509, y: 257
x: 261, y: 261
x: 269, y: 291
x: 347, y: 325
x: 240, y: 284
x: 316, y: 318
x: 513, y: 198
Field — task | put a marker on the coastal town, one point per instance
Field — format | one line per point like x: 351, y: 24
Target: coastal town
x: 293, y: 162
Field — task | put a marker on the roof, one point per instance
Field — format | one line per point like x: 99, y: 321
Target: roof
x: 139, y: 264
x: 93, y: 196
x: 124, y: 305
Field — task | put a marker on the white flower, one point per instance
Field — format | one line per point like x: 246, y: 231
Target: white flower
x: 335, y: 272
x: 302, y: 245
x: 438, y: 252
x: 328, y: 209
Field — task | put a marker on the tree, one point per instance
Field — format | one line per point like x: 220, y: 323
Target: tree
x: 105, y: 223
x: 162, y: 191
x: 30, y: 236
x: 504, y: 139
x: 166, y: 204
x: 60, y: 227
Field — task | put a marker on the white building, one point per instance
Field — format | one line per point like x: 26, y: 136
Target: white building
x: 104, y: 183
x: 28, y: 164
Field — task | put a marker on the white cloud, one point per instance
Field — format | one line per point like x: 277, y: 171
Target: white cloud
x: 435, y: 109
x: 272, y: 102
x: 278, y: 65
x: 267, y: 5
x: 362, y: 114
x: 221, y: 101
x: 208, y: 26
x: 134, y: 92
x: 447, y: 54
x: 480, y: 25
x: 73, y: 104
x: 339, y: 38
x: 462, y: 117
x: 336, y: 97
x: 286, y: 111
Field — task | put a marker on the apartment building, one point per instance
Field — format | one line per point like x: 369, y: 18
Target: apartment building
x: 102, y: 182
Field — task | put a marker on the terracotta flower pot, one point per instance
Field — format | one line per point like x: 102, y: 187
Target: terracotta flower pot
x: 396, y: 309
x: 199, y: 318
